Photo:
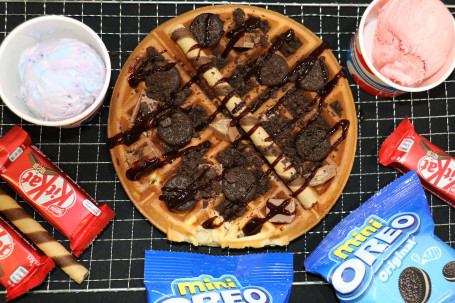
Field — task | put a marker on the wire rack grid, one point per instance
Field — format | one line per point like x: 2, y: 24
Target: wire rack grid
x: 116, y: 258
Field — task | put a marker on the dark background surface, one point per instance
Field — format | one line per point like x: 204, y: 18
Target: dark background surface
x: 116, y: 258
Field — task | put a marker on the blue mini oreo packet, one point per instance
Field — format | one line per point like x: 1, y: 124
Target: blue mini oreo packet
x: 180, y: 277
x: 386, y: 250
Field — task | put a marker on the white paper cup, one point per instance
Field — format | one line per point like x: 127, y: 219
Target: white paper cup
x: 360, y: 62
x: 30, y: 33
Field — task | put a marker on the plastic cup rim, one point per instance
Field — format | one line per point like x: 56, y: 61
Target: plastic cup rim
x: 104, y: 56
x: 383, y: 78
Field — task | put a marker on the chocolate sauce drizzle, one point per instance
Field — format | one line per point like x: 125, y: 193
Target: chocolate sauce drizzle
x: 254, y: 226
x: 144, y: 167
x: 236, y: 34
x: 142, y: 123
x: 188, y: 193
x: 138, y: 74
x: 209, y: 223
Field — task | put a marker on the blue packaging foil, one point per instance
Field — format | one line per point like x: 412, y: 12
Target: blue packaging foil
x: 180, y: 277
x: 386, y: 250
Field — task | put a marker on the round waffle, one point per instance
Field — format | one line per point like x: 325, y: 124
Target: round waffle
x: 187, y: 225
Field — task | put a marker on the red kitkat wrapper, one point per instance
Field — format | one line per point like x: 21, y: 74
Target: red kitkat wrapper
x: 406, y: 150
x: 22, y: 267
x: 50, y: 191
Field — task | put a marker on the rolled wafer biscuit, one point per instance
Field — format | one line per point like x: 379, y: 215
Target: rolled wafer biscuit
x: 41, y: 238
x: 237, y: 107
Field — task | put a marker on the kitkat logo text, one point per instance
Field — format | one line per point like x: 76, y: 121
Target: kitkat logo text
x: 440, y: 173
x: 6, y: 243
x: 49, y: 191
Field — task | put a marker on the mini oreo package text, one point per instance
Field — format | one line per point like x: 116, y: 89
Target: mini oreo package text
x: 386, y: 250
x: 180, y: 277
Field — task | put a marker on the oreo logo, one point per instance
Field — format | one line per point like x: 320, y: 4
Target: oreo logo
x: 49, y: 191
x: 376, y: 247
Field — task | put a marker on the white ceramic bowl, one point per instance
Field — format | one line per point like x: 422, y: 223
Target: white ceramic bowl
x: 28, y: 34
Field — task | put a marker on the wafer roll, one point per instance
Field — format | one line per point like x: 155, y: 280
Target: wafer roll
x: 237, y: 107
x: 41, y: 238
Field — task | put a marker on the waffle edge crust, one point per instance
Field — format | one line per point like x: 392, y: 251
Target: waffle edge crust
x: 187, y: 225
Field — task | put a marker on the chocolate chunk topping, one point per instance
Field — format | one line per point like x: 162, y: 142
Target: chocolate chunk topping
x: 239, y: 185
x: 174, y: 187
x: 316, y: 77
x: 207, y: 29
x: 312, y: 144
x: 289, y: 47
x: 273, y: 71
x: 176, y: 130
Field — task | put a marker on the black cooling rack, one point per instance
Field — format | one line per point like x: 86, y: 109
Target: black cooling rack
x: 116, y: 258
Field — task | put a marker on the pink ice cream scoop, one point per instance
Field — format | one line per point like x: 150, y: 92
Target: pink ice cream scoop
x: 60, y: 78
x: 413, y: 40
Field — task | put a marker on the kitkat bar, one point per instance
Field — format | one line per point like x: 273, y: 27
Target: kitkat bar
x: 50, y: 191
x: 406, y: 150
x: 22, y: 266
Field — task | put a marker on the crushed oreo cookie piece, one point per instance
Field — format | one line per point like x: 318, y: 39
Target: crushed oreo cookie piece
x: 198, y: 116
x: 238, y: 82
x: 229, y: 210
x: 312, y: 144
x: 289, y: 47
x: 336, y: 106
x: 297, y: 102
x: 239, y: 185
x: 218, y: 59
x: 239, y: 156
x: 206, y: 174
x: 176, y: 130
x: 273, y: 71
x: 207, y: 29
x: 274, y: 124
x: 192, y: 162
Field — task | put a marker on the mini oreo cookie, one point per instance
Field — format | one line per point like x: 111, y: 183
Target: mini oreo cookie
x: 239, y: 184
x: 207, y: 29
x: 175, y: 187
x: 316, y: 76
x: 449, y: 271
x: 176, y: 130
x: 414, y: 285
x: 274, y: 71
x: 312, y: 144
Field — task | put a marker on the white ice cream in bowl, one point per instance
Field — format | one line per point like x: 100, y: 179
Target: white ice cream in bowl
x: 55, y: 71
